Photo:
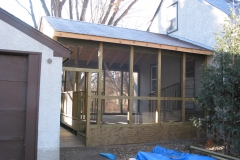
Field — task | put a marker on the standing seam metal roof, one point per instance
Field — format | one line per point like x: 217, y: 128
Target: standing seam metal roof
x: 79, y: 27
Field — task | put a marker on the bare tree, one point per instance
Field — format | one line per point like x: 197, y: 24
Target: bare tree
x: 31, y: 12
x: 109, y: 12
x: 44, y: 6
x: 70, y: 9
x: 84, y: 9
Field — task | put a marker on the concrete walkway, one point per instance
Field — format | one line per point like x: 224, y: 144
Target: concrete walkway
x: 68, y: 139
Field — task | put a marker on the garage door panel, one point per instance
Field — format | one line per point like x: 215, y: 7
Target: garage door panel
x: 12, y: 124
x: 13, y: 68
x: 12, y: 150
x: 12, y: 95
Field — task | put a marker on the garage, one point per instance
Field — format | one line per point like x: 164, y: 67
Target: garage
x: 19, y: 85
x: 30, y: 91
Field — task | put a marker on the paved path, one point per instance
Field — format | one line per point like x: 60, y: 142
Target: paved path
x: 68, y: 139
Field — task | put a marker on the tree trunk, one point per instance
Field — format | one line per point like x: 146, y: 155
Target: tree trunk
x: 115, y: 12
x: 76, y: 7
x: 108, y: 11
x: 84, y: 8
x: 70, y: 10
x: 57, y: 7
x: 45, y: 8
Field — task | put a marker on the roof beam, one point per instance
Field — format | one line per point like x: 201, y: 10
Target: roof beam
x: 91, y: 55
x: 124, y: 61
x: 138, y: 58
x: 114, y: 58
x: 132, y: 42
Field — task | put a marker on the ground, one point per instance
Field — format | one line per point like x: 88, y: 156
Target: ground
x: 122, y: 152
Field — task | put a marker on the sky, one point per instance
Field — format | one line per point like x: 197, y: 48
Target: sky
x: 139, y: 17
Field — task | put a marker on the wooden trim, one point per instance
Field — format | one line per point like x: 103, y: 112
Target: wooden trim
x: 89, y: 99
x: 131, y: 42
x: 171, y: 123
x: 144, y: 98
x: 80, y: 69
x: 171, y: 98
x: 183, y: 86
x: 112, y: 97
x: 131, y: 84
x: 34, y: 67
x: 100, y: 61
x: 159, y: 81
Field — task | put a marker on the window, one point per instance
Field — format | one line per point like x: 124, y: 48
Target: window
x: 172, y: 18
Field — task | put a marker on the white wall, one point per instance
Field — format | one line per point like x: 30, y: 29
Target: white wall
x: 197, y: 21
x: 50, y: 89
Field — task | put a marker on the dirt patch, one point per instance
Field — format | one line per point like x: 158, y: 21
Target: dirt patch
x: 123, y: 152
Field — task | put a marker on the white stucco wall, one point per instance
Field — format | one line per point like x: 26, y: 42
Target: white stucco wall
x: 197, y: 21
x: 50, y: 89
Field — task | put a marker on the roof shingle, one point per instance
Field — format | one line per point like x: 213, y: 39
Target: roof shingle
x: 85, y: 28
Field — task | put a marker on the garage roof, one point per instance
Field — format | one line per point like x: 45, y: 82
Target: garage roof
x: 58, y: 48
x: 98, y: 32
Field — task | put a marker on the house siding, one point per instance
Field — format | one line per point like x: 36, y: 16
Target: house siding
x: 50, y: 85
x: 197, y: 21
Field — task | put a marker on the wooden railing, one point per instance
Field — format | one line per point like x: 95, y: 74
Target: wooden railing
x: 172, y: 90
x: 170, y: 110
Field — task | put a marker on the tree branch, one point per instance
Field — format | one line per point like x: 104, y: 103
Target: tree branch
x: 32, y: 15
x: 108, y: 11
x: 76, y: 7
x: 45, y: 7
x: 124, y: 13
x: 23, y: 7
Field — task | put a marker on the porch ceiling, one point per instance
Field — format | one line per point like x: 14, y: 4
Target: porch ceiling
x: 58, y: 27
x: 110, y: 56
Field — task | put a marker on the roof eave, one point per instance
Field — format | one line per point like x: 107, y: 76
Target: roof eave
x: 130, y: 42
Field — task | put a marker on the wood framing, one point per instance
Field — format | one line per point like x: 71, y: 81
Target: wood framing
x: 146, y: 115
x: 131, y: 59
x: 129, y: 42
x: 100, y: 61
x: 183, y: 86
x: 159, y: 78
x: 89, y: 98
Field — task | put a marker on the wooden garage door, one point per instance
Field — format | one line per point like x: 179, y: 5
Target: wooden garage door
x: 17, y: 134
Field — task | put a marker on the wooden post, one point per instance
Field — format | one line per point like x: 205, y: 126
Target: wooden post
x: 65, y: 80
x: 183, y: 86
x: 159, y: 63
x: 131, y: 58
x: 89, y: 100
x: 100, y: 59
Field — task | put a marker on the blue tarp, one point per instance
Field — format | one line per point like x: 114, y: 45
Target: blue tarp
x: 160, y: 153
